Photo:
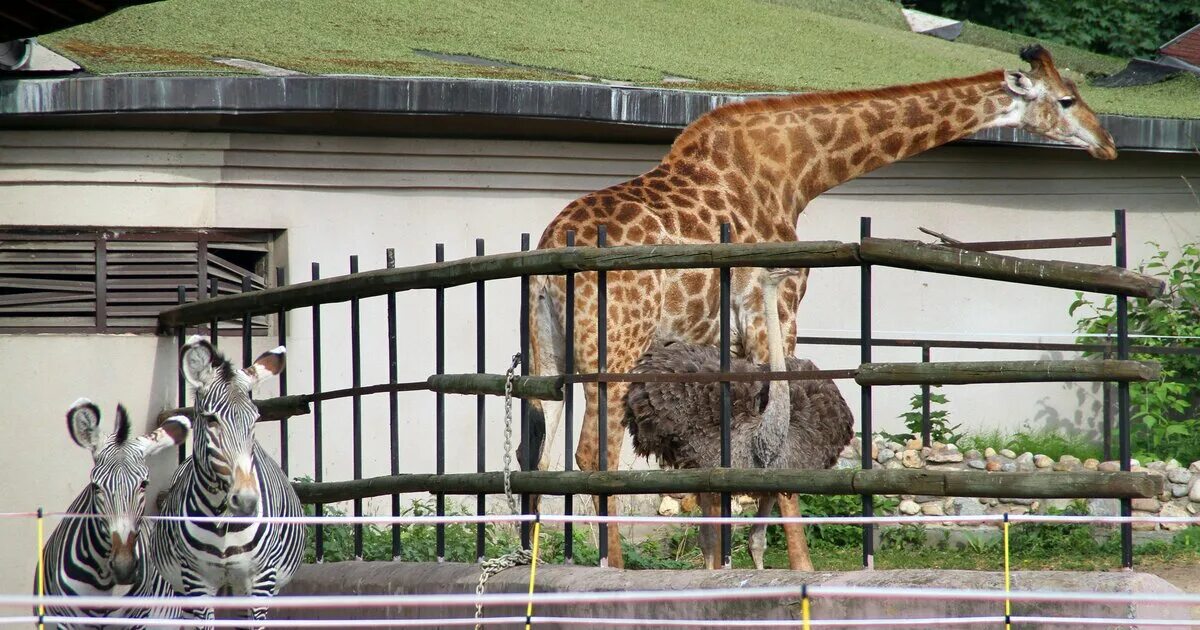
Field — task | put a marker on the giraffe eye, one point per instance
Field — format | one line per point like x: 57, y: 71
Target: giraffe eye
x: 1066, y: 102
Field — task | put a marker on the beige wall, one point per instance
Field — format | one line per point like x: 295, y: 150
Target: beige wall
x: 337, y: 196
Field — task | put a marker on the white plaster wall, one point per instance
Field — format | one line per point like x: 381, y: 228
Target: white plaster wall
x: 332, y: 197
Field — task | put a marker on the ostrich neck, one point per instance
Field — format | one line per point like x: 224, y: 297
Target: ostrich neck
x: 772, y: 431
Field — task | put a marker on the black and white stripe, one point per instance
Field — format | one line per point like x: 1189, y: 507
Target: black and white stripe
x: 104, y: 555
x: 228, y: 474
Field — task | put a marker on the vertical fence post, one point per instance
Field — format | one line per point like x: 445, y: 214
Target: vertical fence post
x: 318, y: 456
x: 214, y: 326
x: 926, y: 419
x: 281, y: 328
x: 439, y: 358
x: 602, y: 388
x: 526, y: 454
x: 181, y: 389
x: 356, y: 407
x: 866, y: 442
x: 726, y: 402
x: 247, y: 350
x: 480, y: 407
x: 569, y: 408
x: 393, y: 402
x: 1106, y: 406
x: 1123, y: 428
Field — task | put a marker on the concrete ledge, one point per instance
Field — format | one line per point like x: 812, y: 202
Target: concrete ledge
x: 380, y: 578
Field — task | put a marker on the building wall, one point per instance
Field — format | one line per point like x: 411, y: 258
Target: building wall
x: 336, y: 196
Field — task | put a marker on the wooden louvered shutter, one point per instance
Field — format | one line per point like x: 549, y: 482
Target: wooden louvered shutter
x: 47, y: 284
x: 228, y: 263
x: 142, y: 277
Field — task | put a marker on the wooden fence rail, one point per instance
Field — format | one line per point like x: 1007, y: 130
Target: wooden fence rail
x: 875, y: 251
x: 1063, y: 485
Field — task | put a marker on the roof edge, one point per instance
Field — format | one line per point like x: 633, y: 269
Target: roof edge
x: 553, y: 109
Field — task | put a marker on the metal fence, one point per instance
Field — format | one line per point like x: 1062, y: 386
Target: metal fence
x: 572, y: 260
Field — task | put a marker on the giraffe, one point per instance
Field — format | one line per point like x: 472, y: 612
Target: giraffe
x: 756, y: 165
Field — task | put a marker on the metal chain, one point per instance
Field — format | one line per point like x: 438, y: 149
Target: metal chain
x: 521, y: 556
x: 508, y: 384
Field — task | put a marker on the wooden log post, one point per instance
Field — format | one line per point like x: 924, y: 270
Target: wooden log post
x: 1065, y: 485
x: 512, y: 265
x: 269, y: 409
x: 538, y: 387
x: 964, y: 372
x: 1051, y: 273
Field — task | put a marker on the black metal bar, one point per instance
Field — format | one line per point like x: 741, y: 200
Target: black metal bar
x: 393, y: 402
x: 201, y: 266
x: 526, y: 454
x: 480, y: 404
x: 569, y: 408
x: 866, y: 441
x: 926, y: 429
x: 439, y: 358
x: 995, y: 345
x: 281, y: 328
x: 180, y: 334
x: 102, y: 283
x: 356, y: 406
x: 602, y: 389
x: 726, y: 401
x: 1123, y: 411
x: 1106, y: 414
x: 247, y: 350
x: 214, y: 326
x: 318, y: 455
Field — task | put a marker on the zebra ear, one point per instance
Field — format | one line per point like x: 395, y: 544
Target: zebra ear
x: 268, y: 364
x: 198, y: 361
x: 171, y: 432
x: 83, y: 423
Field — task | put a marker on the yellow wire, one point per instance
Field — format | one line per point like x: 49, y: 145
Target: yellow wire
x: 804, y: 613
x: 41, y: 568
x: 537, y: 533
x: 1007, y: 580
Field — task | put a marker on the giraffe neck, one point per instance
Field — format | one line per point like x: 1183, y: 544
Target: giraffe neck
x: 774, y: 155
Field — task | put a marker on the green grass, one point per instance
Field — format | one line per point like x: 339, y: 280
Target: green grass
x: 723, y: 44
x: 1042, y: 441
x: 1065, y: 57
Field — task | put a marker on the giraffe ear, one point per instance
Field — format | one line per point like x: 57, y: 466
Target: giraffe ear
x: 1020, y: 85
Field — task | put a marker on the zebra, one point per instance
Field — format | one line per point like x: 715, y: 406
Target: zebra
x: 104, y: 555
x: 228, y: 474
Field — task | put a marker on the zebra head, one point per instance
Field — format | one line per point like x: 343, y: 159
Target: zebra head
x: 119, y: 478
x: 226, y: 415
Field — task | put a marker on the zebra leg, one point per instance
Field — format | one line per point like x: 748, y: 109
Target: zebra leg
x: 193, y: 587
x: 262, y: 585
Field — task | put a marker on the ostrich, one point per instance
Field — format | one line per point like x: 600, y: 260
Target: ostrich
x: 799, y: 424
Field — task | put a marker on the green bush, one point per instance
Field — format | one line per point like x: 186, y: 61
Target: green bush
x: 940, y: 429
x: 1165, y: 422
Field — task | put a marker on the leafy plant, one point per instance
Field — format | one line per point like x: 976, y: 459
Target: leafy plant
x: 940, y: 429
x: 907, y: 537
x: 831, y: 505
x: 1165, y: 423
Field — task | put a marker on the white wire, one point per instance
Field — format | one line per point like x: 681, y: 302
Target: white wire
x: 765, y: 623
x: 20, y: 620
x: 659, y: 520
x: 595, y: 597
x: 282, y: 623
x: 925, y: 334
x: 1101, y: 621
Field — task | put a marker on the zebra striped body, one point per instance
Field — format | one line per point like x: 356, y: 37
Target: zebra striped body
x: 103, y: 555
x: 228, y: 474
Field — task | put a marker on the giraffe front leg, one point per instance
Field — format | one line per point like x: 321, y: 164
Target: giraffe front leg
x: 709, y: 534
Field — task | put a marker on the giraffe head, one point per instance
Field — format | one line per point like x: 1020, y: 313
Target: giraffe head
x: 119, y: 478
x: 1049, y: 104
x: 225, y: 417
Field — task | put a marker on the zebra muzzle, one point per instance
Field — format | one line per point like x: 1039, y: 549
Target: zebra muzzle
x: 124, y: 561
x: 243, y: 496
